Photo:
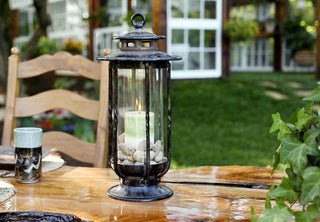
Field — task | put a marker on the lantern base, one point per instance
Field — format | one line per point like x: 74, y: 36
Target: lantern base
x: 139, y: 194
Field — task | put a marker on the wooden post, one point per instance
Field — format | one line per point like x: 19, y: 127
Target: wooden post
x: 159, y: 16
x: 14, y: 23
x: 277, y: 51
x: 94, y: 7
x: 129, y: 6
x: 226, y: 40
x: 318, y: 41
x: 12, y: 92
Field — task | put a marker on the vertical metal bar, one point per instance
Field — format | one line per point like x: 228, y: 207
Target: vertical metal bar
x: 147, y: 102
x: 115, y: 113
x: 168, y: 150
x: 114, y: 117
x: 134, y: 88
x: 110, y: 131
x: 160, y: 105
x: 169, y: 111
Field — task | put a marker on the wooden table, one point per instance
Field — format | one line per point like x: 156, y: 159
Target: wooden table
x: 201, y: 194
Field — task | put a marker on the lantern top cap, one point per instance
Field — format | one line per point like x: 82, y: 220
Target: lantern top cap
x: 139, y: 45
x: 138, y: 21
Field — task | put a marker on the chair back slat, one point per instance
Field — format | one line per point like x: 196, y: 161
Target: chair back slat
x: 59, y: 61
x: 75, y: 147
x: 57, y: 98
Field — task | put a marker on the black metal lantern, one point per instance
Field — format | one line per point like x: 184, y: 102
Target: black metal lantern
x: 139, y: 115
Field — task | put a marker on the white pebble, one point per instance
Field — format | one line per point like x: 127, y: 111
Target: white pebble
x: 126, y: 149
x: 121, y: 138
x: 138, y: 163
x: 127, y: 162
x: 121, y: 156
x: 158, y: 144
x: 159, y: 157
x: 130, y: 158
x: 152, y: 155
x: 143, y: 146
x: 139, y: 156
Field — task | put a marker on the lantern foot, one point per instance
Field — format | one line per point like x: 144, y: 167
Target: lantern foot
x: 139, y: 194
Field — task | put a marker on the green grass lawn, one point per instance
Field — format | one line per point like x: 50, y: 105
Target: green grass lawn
x: 227, y: 121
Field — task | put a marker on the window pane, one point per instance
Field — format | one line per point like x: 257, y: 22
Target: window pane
x: 194, y: 60
x: 177, y: 9
x: 194, y: 9
x: 210, y: 9
x: 209, y: 38
x: 178, y: 65
x: 177, y: 36
x: 209, y: 60
x: 57, y: 12
x: 23, y: 23
x: 194, y: 38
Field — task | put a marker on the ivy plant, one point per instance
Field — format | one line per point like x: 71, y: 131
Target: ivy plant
x: 297, y: 197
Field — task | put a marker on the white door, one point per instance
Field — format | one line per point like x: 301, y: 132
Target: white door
x: 194, y: 33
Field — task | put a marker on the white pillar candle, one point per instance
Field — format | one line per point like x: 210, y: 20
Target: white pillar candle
x: 135, y: 127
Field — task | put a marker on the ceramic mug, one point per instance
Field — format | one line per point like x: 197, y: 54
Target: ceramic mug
x: 28, y: 154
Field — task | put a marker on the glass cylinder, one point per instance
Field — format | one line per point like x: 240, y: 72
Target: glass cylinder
x: 142, y: 129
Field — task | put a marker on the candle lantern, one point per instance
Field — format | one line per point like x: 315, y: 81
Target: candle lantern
x: 139, y: 115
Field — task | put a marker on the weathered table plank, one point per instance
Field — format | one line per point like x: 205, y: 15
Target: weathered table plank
x: 82, y: 191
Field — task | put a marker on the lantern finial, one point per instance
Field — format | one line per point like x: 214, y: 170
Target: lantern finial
x: 138, y: 20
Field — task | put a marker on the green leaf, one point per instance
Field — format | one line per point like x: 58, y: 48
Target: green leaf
x: 294, y: 152
x: 276, y: 160
x: 314, y: 96
x: 310, y: 215
x: 293, y: 117
x: 310, y: 188
x: 302, y: 216
x: 303, y: 119
x: 292, y: 176
x: 253, y: 215
x: 309, y: 108
x: 279, y: 125
x: 276, y: 214
x: 297, y: 180
x: 310, y: 139
x: 285, y: 191
x: 267, y: 203
x: 317, y: 201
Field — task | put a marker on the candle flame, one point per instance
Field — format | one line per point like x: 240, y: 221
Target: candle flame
x: 138, y: 104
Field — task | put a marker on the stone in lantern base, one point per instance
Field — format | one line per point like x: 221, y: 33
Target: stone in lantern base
x: 129, y: 155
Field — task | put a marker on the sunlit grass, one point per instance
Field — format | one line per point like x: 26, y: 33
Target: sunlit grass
x: 227, y: 121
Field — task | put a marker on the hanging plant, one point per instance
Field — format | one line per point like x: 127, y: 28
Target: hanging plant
x: 241, y: 30
x: 298, y: 34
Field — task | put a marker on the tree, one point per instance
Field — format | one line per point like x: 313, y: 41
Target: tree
x: 5, y: 39
x: 41, y: 30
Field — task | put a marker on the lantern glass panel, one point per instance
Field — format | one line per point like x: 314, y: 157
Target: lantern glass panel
x: 141, y: 89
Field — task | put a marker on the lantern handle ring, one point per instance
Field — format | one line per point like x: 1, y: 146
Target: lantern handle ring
x: 138, y: 24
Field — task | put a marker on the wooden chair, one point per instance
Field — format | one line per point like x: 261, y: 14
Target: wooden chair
x: 57, y: 98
